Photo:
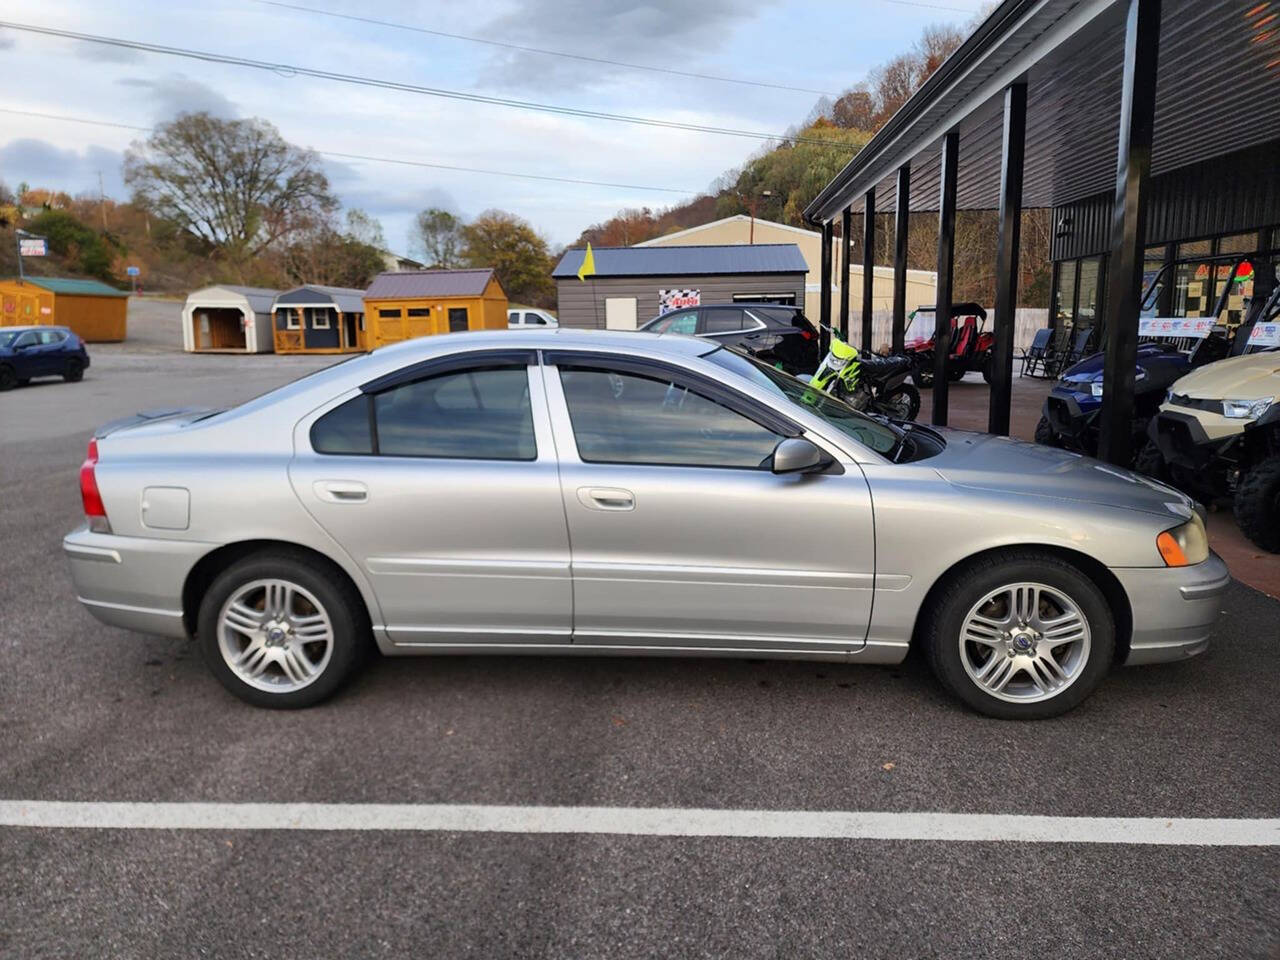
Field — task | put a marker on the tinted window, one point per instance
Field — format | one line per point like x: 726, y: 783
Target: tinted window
x: 388, y: 314
x: 627, y: 418
x: 474, y: 414
x: 722, y: 321
x: 419, y: 312
x: 52, y: 336
x: 27, y: 339
x: 344, y: 429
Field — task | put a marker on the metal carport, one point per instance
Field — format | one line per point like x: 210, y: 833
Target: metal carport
x: 1162, y: 119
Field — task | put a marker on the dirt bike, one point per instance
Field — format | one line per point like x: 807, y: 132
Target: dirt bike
x: 866, y: 381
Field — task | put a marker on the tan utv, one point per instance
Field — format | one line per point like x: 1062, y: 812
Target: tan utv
x: 1217, y: 435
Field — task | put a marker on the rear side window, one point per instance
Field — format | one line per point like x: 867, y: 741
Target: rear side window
x: 52, y: 336
x: 722, y: 321
x: 627, y: 418
x: 479, y: 414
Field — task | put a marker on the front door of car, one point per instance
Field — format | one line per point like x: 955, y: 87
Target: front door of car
x: 27, y: 357
x: 443, y: 487
x: 682, y: 536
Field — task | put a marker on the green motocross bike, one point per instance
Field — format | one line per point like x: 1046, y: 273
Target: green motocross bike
x: 868, y: 382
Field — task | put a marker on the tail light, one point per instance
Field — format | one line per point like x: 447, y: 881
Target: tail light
x: 806, y: 334
x: 94, y: 511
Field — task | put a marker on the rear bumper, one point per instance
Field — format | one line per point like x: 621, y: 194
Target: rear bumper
x: 1175, y: 611
x: 132, y: 582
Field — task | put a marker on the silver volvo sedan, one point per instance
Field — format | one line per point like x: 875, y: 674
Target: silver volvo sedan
x: 570, y: 492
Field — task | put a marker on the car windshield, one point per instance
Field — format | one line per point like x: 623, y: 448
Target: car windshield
x: 880, y: 435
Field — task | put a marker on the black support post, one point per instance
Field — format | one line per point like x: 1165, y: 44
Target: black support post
x: 1164, y: 299
x: 1006, y: 305
x: 824, y: 300
x: 868, y: 266
x: 1128, y: 229
x: 946, y: 278
x: 901, y: 223
x: 846, y: 228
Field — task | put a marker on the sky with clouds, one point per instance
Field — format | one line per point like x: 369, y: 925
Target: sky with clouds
x: 819, y: 46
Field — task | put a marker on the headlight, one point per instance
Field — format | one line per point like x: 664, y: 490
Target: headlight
x: 1246, y: 409
x: 1096, y: 388
x: 836, y: 363
x: 1185, y: 545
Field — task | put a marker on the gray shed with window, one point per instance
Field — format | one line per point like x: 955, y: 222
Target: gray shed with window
x: 632, y: 285
x: 319, y: 319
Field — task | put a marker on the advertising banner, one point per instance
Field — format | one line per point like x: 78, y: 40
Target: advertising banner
x: 32, y: 246
x: 1198, y: 327
x: 1265, y: 335
x: 669, y: 300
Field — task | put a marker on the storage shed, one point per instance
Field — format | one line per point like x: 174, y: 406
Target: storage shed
x: 227, y: 319
x: 632, y: 285
x: 316, y: 319
x: 419, y: 303
x: 96, y: 312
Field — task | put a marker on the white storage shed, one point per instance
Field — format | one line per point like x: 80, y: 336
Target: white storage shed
x: 228, y: 319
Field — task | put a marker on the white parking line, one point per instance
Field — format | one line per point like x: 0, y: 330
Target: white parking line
x: 640, y: 821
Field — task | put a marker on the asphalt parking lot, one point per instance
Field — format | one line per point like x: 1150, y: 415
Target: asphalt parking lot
x: 90, y: 714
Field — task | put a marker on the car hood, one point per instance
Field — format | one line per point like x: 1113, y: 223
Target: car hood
x: 1250, y: 377
x: 985, y: 462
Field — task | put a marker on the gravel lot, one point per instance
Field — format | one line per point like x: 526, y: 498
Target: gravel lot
x: 89, y: 713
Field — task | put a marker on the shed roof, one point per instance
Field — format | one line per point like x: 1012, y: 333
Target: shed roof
x: 259, y: 298
x: 727, y: 259
x: 76, y: 288
x: 412, y: 284
x: 343, y: 299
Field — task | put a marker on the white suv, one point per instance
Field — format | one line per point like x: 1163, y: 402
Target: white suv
x: 530, y: 317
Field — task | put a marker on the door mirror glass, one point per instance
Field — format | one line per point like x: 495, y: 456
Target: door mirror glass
x: 797, y: 455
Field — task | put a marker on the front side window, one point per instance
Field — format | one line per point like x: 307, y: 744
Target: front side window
x: 27, y: 339
x: 628, y: 418
x: 477, y: 414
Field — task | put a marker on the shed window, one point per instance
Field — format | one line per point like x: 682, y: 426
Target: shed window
x: 419, y: 311
x: 291, y: 319
x: 320, y: 318
x: 389, y: 314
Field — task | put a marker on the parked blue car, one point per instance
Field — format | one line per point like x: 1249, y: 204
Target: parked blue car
x: 29, y: 352
x: 1070, y: 415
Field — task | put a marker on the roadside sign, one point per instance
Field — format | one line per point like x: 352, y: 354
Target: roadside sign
x: 669, y: 300
x: 33, y: 246
x: 132, y: 271
x: 1265, y: 335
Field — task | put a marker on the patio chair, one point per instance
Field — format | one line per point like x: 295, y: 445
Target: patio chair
x: 1079, y: 347
x: 1033, y: 356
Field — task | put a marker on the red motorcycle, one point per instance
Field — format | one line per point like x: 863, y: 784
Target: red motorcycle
x: 971, y: 343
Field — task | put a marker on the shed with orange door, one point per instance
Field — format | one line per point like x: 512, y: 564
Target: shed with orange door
x: 420, y: 303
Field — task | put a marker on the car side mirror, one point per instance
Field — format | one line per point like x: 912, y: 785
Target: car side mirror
x: 797, y: 455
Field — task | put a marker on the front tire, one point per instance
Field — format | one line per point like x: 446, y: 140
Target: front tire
x: 1045, y: 435
x: 1021, y: 635
x: 989, y: 369
x: 1150, y: 463
x: 1257, y: 504
x: 902, y: 402
x: 281, y: 630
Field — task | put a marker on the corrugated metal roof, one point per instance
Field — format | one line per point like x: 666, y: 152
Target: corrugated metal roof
x: 343, y: 299
x: 77, y: 288
x: 726, y: 259
x: 412, y: 284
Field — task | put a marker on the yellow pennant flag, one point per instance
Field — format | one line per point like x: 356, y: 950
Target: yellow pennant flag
x: 588, y: 267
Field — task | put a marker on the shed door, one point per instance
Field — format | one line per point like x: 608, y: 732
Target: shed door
x: 620, y: 313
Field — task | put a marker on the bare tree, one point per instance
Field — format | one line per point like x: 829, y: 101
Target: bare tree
x: 437, y: 235
x: 236, y: 184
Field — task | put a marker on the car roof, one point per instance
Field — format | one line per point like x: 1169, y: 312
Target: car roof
x: 544, y: 338
x: 34, y: 326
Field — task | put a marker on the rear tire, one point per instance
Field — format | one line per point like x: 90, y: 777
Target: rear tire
x: 8, y: 379
x: 1257, y: 504
x: 1045, y: 435
x: 251, y: 638
x: 74, y: 371
x: 956, y: 374
x: 1069, y: 635
x: 989, y: 369
x: 902, y: 402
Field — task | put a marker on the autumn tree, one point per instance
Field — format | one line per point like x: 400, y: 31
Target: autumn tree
x: 328, y: 254
x: 437, y: 236
x: 516, y: 253
x: 235, y: 184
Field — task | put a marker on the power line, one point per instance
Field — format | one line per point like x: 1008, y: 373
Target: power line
x: 538, y: 50
x: 930, y: 6
x: 287, y: 70
x: 395, y: 160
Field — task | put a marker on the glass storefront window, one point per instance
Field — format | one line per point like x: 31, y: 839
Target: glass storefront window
x: 1066, y: 292
x: 1090, y: 296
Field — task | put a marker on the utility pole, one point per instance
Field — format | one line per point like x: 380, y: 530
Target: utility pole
x: 751, y: 207
x: 102, y: 202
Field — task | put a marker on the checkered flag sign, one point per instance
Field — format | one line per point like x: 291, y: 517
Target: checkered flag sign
x: 669, y: 300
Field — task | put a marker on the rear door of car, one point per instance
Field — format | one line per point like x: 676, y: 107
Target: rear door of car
x: 441, y: 482
x: 682, y: 536
x: 49, y: 355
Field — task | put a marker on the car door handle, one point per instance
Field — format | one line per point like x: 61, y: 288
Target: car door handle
x: 341, y: 491
x: 606, y: 498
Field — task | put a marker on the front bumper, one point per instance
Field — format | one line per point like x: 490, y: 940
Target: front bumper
x: 132, y: 582
x: 1174, y: 610
x: 1062, y: 410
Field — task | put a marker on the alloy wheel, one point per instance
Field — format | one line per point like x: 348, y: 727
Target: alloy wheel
x: 274, y: 635
x: 1024, y: 642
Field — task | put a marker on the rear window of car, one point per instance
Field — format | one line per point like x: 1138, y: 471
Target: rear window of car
x: 477, y: 414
